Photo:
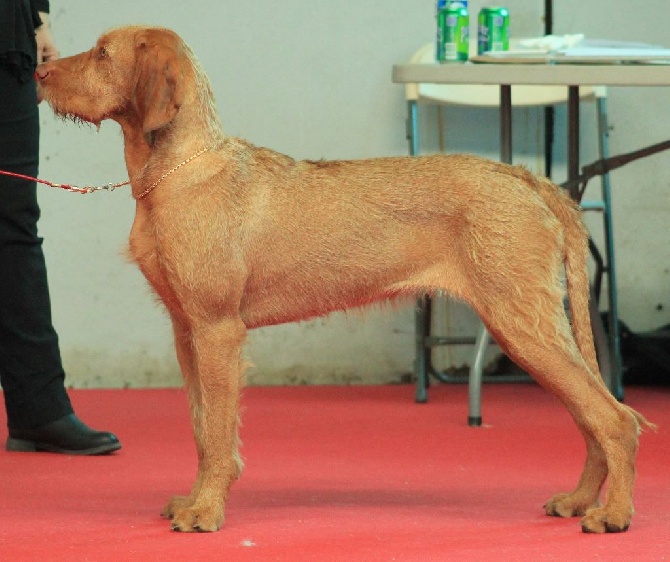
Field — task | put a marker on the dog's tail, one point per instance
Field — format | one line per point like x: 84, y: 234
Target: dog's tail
x: 575, y: 255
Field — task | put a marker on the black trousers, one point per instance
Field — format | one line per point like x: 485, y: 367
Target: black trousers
x: 31, y: 372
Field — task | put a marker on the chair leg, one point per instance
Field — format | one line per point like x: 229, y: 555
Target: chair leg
x: 476, y: 376
x: 422, y: 362
x: 615, y: 384
x: 413, y: 127
x: 422, y: 316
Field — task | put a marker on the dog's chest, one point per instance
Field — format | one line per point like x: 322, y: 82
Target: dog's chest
x: 144, y: 251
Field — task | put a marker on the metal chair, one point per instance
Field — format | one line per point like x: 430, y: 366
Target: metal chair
x: 488, y: 96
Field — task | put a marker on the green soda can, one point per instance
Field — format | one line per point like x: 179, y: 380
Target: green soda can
x: 454, y: 33
x: 493, y: 30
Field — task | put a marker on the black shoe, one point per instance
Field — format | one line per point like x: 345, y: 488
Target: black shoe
x: 67, y: 435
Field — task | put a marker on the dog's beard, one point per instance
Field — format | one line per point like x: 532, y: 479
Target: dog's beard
x: 76, y: 118
x: 73, y: 116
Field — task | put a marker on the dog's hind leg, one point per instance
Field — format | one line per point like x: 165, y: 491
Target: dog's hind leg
x: 214, y: 395
x: 532, y: 328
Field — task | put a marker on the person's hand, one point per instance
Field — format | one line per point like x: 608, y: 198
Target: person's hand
x: 46, y: 45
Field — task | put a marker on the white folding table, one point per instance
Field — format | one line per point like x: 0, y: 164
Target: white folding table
x: 506, y: 74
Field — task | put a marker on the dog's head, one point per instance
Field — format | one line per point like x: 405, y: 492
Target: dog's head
x: 133, y: 74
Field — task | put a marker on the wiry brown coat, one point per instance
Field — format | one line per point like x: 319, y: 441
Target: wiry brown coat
x: 242, y: 237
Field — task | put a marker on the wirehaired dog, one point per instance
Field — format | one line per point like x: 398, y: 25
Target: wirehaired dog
x: 232, y: 237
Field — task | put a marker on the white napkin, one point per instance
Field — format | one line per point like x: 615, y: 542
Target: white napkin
x: 551, y: 43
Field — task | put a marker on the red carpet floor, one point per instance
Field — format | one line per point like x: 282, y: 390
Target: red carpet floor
x: 349, y: 473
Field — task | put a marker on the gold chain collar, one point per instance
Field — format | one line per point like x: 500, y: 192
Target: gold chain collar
x: 172, y: 171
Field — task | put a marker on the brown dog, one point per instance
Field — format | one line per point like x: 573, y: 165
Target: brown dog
x: 232, y: 237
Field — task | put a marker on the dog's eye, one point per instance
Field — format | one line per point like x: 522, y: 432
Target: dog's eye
x: 103, y: 53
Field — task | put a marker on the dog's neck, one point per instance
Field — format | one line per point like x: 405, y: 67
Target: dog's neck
x: 137, y: 150
x: 150, y: 155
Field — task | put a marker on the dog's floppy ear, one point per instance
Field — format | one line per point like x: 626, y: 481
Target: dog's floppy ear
x: 158, y: 92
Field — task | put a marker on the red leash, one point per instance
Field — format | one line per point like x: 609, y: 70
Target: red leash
x: 67, y: 187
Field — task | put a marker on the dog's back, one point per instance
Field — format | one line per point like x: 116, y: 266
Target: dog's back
x: 323, y: 236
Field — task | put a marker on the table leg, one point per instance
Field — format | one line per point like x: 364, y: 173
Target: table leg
x: 573, y: 138
x: 506, y: 123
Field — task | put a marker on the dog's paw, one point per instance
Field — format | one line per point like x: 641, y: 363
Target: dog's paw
x: 600, y: 520
x: 175, y: 504
x: 569, y: 505
x: 197, y: 519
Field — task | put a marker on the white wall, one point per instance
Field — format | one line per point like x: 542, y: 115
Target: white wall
x: 311, y: 79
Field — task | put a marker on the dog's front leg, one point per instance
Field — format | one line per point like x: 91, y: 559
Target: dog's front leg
x: 183, y: 340
x: 214, y: 394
